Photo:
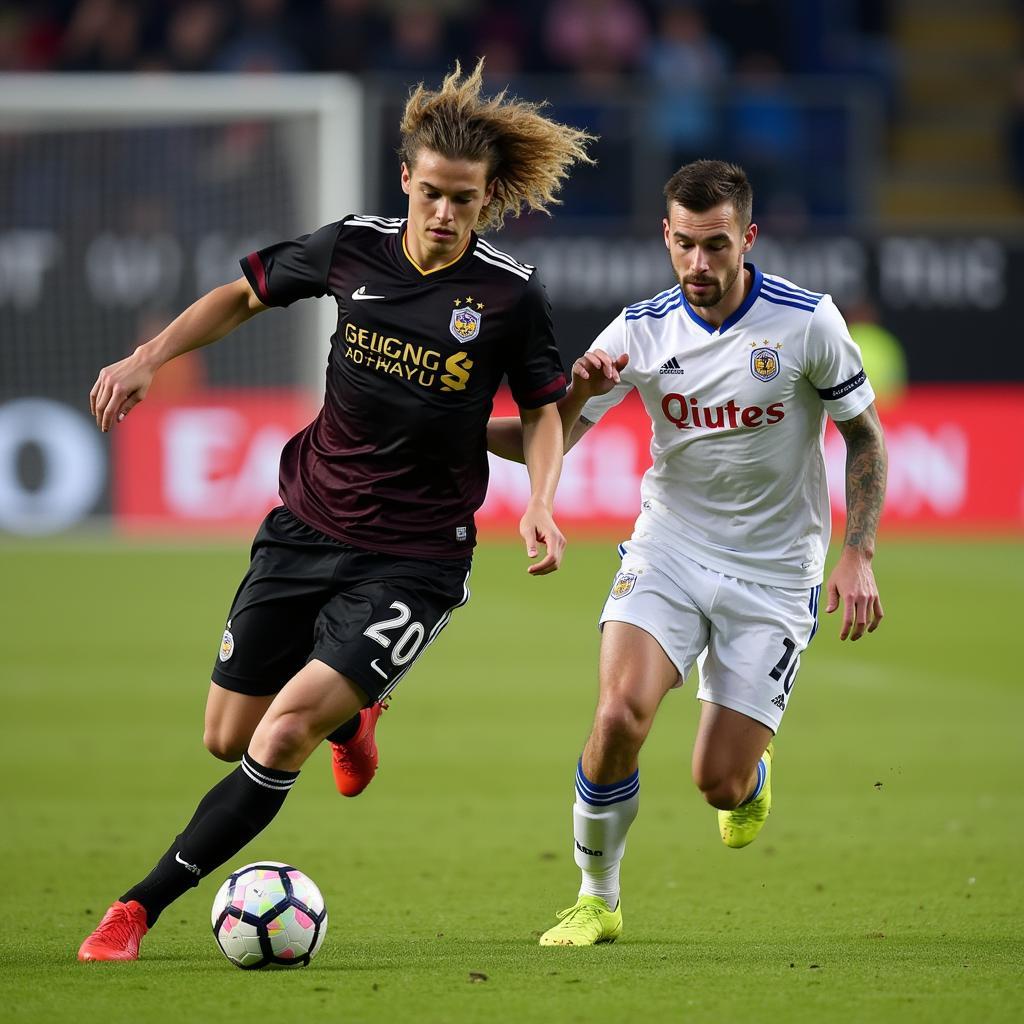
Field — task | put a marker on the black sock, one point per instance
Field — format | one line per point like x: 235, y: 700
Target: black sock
x: 234, y: 812
x: 346, y: 731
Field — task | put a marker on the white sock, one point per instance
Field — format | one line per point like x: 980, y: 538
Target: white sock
x: 762, y: 774
x: 601, y: 818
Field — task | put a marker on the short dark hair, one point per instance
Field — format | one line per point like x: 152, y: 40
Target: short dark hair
x: 700, y: 185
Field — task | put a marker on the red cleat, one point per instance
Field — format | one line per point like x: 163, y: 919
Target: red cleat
x: 355, y: 761
x: 118, y: 935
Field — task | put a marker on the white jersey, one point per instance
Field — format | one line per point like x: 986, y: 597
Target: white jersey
x: 738, y: 471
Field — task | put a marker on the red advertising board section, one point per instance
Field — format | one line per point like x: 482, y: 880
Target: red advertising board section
x: 955, y: 463
x: 204, y: 465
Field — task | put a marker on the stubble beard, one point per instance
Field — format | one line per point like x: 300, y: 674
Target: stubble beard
x: 716, y: 294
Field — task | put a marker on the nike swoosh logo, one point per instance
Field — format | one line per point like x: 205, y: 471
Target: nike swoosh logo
x: 376, y: 668
x: 185, y: 864
x: 360, y: 293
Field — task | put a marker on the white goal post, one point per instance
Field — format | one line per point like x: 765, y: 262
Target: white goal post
x: 123, y: 198
x: 326, y: 152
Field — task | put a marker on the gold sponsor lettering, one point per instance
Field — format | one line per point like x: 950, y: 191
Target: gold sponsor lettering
x: 406, y: 359
x: 389, y: 366
x: 458, y: 367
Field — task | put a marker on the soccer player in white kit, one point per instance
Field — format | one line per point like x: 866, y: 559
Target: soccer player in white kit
x: 737, y: 370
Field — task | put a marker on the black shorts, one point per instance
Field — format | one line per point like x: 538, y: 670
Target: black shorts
x: 306, y: 595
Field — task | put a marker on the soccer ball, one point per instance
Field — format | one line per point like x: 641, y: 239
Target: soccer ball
x: 269, y: 915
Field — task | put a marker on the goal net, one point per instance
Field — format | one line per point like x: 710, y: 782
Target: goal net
x: 123, y: 199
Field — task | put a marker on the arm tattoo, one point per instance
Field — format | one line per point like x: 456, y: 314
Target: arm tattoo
x: 866, y: 464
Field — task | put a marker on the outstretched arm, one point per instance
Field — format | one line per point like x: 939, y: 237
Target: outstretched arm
x: 594, y: 373
x: 122, y: 385
x: 852, y: 582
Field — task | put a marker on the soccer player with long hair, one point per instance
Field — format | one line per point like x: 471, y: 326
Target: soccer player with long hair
x: 363, y: 563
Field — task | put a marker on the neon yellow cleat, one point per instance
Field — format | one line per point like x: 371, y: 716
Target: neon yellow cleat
x: 740, y: 826
x: 587, y: 923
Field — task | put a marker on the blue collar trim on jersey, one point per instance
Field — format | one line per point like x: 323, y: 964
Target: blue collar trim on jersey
x: 738, y: 314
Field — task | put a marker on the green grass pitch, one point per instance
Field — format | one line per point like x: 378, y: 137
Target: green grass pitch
x: 885, y: 887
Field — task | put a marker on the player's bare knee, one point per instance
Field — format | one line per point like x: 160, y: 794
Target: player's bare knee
x: 223, y: 747
x: 281, y: 741
x: 620, y: 725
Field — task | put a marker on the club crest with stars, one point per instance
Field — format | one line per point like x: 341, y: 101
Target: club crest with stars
x: 764, y: 361
x: 466, y: 318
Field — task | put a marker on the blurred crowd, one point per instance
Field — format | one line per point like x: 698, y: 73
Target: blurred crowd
x: 716, y: 74
x: 679, y: 43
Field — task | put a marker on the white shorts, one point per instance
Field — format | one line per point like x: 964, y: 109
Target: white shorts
x: 746, y: 637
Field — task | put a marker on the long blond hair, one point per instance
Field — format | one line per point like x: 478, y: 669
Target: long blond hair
x: 527, y: 155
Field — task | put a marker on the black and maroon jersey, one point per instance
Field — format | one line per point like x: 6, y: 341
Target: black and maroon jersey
x: 396, y: 460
